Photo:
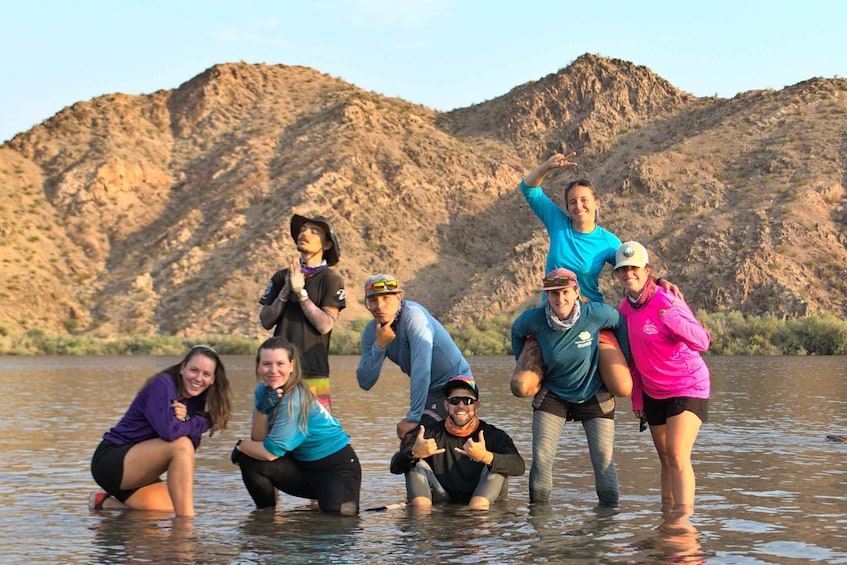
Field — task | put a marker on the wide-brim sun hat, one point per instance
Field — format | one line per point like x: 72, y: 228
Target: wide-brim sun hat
x: 332, y: 254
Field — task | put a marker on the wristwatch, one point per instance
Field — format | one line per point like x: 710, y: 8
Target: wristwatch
x: 303, y: 294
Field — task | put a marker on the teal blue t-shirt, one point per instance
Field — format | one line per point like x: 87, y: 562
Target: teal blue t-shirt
x: 323, y: 437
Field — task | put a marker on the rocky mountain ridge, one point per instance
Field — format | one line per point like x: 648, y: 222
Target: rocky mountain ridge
x: 167, y: 213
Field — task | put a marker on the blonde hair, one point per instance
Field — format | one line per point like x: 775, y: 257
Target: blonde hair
x: 295, y: 381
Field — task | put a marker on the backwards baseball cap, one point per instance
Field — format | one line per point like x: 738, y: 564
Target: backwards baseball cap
x: 559, y: 278
x: 331, y: 255
x: 461, y: 381
x: 631, y: 254
x: 382, y: 284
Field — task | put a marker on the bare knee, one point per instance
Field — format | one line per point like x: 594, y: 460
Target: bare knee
x: 420, y: 502
x: 182, y: 448
x: 677, y: 459
x: 349, y: 508
x: 525, y: 383
x: 479, y: 503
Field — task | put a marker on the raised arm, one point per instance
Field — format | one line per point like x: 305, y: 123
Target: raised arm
x: 558, y: 161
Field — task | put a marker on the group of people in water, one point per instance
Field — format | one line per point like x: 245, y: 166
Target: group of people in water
x: 574, y: 354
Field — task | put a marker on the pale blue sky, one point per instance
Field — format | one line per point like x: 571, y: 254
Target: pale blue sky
x: 445, y: 54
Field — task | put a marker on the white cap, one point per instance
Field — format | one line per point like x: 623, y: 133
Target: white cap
x: 631, y: 254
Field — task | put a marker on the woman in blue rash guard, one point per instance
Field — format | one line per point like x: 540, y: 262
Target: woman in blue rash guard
x: 296, y: 446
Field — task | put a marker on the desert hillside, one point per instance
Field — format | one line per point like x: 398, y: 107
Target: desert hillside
x: 167, y: 213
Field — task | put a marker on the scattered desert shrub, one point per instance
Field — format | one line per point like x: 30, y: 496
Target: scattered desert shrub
x: 732, y: 333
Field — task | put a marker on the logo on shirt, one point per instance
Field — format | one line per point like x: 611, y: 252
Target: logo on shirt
x: 583, y: 339
x: 650, y: 328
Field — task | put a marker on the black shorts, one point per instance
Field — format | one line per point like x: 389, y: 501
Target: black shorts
x: 107, y: 468
x: 601, y: 405
x: 658, y: 411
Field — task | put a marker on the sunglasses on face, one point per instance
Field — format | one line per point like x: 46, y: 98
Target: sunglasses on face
x: 383, y: 285
x: 557, y: 281
x: 466, y: 400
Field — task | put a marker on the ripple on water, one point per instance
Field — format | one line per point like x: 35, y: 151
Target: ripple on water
x: 751, y: 526
x: 786, y: 549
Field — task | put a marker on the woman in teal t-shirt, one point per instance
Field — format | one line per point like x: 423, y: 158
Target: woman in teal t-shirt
x: 296, y: 446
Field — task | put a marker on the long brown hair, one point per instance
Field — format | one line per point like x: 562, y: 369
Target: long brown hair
x: 295, y: 380
x: 218, y: 396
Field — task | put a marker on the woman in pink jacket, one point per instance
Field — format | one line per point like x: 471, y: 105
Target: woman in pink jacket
x: 670, y: 380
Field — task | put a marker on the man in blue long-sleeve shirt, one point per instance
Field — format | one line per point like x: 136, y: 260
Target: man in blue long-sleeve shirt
x: 411, y: 337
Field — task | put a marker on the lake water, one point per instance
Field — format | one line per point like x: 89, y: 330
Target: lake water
x: 770, y: 487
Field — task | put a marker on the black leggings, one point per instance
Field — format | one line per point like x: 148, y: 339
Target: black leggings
x: 334, y: 480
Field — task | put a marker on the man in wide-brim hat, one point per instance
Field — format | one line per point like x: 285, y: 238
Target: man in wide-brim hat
x: 304, y: 300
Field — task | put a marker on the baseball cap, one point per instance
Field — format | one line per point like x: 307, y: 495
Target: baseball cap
x: 631, y: 254
x: 559, y: 278
x: 382, y: 284
x: 461, y: 381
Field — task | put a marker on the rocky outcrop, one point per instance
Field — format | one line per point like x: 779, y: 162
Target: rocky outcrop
x: 167, y: 213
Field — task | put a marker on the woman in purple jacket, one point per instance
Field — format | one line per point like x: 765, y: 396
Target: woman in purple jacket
x: 160, y: 433
x: 670, y: 380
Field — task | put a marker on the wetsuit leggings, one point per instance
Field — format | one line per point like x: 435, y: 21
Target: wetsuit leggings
x: 333, y: 481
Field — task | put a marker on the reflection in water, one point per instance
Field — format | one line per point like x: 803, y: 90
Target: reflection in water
x: 676, y: 541
x: 130, y: 536
x: 770, y: 487
x: 297, y: 535
x: 588, y: 538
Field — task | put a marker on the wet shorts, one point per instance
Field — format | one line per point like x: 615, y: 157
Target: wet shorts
x: 658, y: 411
x: 601, y: 405
x: 107, y: 468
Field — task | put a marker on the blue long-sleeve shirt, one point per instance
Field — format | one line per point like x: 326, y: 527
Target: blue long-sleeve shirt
x: 583, y: 253
x: 323, y: 437
x: 571, y: 357
x: 151, y: 416
x: 422, y: 349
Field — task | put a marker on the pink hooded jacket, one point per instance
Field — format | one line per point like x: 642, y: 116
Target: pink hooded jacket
x: 666, y: 349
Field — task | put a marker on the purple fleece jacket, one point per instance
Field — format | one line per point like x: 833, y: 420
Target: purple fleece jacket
x: 150, y: 416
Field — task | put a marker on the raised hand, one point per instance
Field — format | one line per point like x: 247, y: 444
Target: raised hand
x: 424, y: 447
x: 295, y: 275
x: 475, y: 450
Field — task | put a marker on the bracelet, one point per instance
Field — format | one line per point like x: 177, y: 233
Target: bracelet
x: 659, y: 279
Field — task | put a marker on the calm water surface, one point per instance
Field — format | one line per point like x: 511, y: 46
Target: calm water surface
x: 770, y: 487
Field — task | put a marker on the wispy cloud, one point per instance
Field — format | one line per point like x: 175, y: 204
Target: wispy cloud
x: 268, y: 23
x: 379, y: 13
x: 242, y: 36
